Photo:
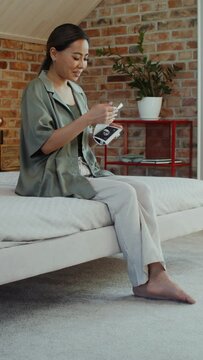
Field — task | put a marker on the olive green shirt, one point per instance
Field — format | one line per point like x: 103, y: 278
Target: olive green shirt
x: 55, y: 174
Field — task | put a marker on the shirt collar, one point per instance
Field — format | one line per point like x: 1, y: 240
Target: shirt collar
x: 49, y: 85
x: 78, y: 92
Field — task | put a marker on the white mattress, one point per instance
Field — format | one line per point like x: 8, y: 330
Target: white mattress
x: 25, y: 219
x: 172, y: 194
x: 34, y: 218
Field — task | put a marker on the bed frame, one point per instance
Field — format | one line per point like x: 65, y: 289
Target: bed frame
x: 23, y: 261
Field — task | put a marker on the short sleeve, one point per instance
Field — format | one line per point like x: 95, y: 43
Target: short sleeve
x: 37, y: 117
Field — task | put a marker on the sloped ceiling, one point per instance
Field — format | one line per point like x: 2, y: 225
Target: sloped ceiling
x: 33, y: 20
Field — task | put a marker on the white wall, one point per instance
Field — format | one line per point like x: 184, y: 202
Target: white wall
x: 200, y: 92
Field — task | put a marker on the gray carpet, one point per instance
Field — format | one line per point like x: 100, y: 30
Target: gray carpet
x: 87, y: 312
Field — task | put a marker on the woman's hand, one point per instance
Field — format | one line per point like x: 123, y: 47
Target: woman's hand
x: 102, y: 114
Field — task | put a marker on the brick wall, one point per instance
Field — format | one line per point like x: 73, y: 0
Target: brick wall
x: 19, y: 63
x: 172, y: 38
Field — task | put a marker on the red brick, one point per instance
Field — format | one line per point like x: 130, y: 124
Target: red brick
x: 40, y: 58
x: 132, y: 8
x: 6, y: 103
x: 128, y: 39
x: 4, y: 84
x: 118, y: 94
x: 167, y: 113
x: 191, y: 45
x: 164, y: 57
x: 101, y: 42
x: 117, y: 2
x: 185, y: 55
x: 158, y: 36
x: 173, y: 101
x: 118, y: 10
x: 89, y: 87
x: 111, y: 86
x: 189, y: 2
x: 118, y: 78
x: 12, y: 75
x: 189, y: 83
x: 181, y: 34
x: 35, y: 67
x: 11, y: 44
x: 176, y: 24
x: 194, y: 55
x: 184, y: 12
x: 186, y: 112
x: 26, y: 56
x: 3, y: 64
x: 33, y: 47
x: 20, y: 66
x: 83, y: 24
x: 7, y: 94
x: 145, y: 7
x: 126, y: 20
x: 18, y: 85
x: 185, y: 75
x: 98, y: 96
x: 150, y: 48
x: 104, y: 12
x: 29, y: 76
x: 154, y: 16
x: 8, y: 113
x: 192, y: 65
x: 102, y: 22
x: 6, y: 54
x: 93, y: 72
x: 93, y: 32
x: 176, y: 45
x: 189, y: 102
x: 114, y: 30
x: 174, y: 3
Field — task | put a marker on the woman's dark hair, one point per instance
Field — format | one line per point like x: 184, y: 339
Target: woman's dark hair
x: 61, y: 38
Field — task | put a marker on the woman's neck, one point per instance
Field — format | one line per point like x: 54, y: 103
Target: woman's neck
x: 61, y: 87
x: 56, y: 79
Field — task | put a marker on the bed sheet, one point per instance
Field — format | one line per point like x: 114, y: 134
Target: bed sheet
x: 34, y: 218
x: 173, y: 194
x: 25, y: 219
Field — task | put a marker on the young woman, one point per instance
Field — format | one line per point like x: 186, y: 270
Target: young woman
x: 57, y: 160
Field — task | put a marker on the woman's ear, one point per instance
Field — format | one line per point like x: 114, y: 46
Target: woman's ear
x: 53, y: 53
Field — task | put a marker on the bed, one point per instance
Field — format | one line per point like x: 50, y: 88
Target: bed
x: 40, y: 235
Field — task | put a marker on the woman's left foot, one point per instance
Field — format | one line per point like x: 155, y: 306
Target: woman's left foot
x: 162, y: 288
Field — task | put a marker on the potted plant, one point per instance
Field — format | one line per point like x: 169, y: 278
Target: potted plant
x: 151, y: 79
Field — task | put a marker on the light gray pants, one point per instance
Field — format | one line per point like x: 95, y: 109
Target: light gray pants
x: 132, y: 211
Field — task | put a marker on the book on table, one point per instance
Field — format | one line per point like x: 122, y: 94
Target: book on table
x: 160, y: 161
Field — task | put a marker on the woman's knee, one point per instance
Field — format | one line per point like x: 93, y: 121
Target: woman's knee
x: 125, y: 189
x: 140, y: 187
x: 113, y: 188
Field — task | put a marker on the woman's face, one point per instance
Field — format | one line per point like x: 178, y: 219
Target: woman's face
x: 70, y: 63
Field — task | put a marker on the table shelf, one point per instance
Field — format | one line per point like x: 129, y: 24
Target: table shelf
x: 173, y: 164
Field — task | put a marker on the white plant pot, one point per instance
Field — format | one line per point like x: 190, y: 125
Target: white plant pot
x: 149, y: 108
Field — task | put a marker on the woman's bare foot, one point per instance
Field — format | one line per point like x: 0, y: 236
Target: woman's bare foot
x: 160, y: 287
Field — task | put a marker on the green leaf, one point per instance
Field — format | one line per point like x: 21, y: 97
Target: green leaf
x: 150, y: 78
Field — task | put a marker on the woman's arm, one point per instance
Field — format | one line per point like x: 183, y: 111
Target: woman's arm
x: 98, y: 114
